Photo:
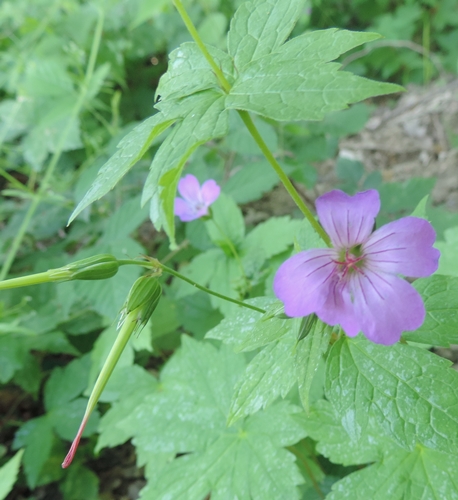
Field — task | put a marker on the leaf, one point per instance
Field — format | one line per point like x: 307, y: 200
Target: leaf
x: 299, y: 83
x: 37, y: 437
x: 322, y: 424
x: 411, y: 392
x: 127, y: 387
x: 189, y: 72
x: 12, y: 356
x: 309, y: 355
x: 65, y: 384
x: 260, y: 27
x: 268, y: 239
x: 440, y: 295
x: 226, y: 228
x: 80, y: 483
x: 203, y: 118
x: 448, y: 263
x: 251, y: 182
x: 247, y: 329
x: 130, y: 150
x: 188, y: 416
x: 270, y: 374
x: 8, y: 474
x: 402, y: 475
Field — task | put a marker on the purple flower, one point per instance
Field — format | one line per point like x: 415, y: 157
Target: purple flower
x: 356, y: 283
x: 195, y: 199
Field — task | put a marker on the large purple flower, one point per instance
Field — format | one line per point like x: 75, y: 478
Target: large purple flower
x: 195, y: 199
x: 356, y: 283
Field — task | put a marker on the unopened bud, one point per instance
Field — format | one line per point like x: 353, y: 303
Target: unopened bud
x: 143, y: 298
x: 98, y: 267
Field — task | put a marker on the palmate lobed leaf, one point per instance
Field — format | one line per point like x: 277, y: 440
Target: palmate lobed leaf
x: 412, y: 393
x: 187, y: 414
x: 440, y: 295
x: 421, y: 474
x: 297, y: 81
x: 259, y: 27
x: 132, y: 147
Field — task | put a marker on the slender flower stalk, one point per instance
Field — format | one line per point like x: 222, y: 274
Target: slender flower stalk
x: 356, y: 283
x: 140, y: 305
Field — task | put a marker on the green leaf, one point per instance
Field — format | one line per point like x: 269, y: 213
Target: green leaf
x: 8, y: 474
x: 270, y: 374
x: 132, y: 147
x: 12, y: 356
x: 188, y: 416
x: 402, y: 475
x: 251, y: 182
x: 268, y: 239
x: 309, y: 355
x: 248, y: 330
x: 420, y: 209
x: 299, y: 83
x: 65, y: 384
x: 127, y: 387
x: 260, y: 27
x: 37, y: 437
x: 440, y: 295
x: 226, y: 224
x: 322, y: 424
x: 203, y: 118
x: 366, y: 379
x: 80, y: 483
x: 448, y: 263
x: 66, y: 419
x: 189, y: 72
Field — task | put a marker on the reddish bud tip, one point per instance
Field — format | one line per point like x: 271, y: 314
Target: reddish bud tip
x: 71, y: 453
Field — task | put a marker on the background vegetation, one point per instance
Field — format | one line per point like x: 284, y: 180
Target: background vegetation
x: 75, y: 78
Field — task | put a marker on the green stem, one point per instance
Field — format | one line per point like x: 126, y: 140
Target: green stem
x: 207, y: 290
x: 252, y: 127
x: 34, y: 279
x: 303, y: 460
x: 195, y: 35
x: 247, y: 120
x: 155, y: 264
x: 57, y: 153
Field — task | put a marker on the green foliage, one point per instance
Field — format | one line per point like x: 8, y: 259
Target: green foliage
x: 8, y: 474
x: 365, y: 379
x: 244, y: 460
x: 217, y: 399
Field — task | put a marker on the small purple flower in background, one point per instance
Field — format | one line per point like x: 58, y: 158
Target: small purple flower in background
x: 195, y: 200
x: 356, y: 283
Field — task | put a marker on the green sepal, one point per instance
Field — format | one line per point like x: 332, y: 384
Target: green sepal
x: 143, y: 297
x: 98, y: 267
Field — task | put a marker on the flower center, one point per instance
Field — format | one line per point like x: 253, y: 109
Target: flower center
x: 349, y: 261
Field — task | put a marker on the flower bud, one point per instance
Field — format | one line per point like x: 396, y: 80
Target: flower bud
x: 98, y: 267
x: 143, y: 297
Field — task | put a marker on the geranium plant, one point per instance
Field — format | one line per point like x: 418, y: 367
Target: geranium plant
x: 322, y: 334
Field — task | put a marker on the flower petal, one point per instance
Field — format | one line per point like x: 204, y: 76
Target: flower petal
x: 189, y: 188
x: 404, y: 246
x: 184, y: 210
x: 386, y: 305
x: 339, y: 309
x: 348, y: 220
x: 302, y: 282
x: 210, y: 192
